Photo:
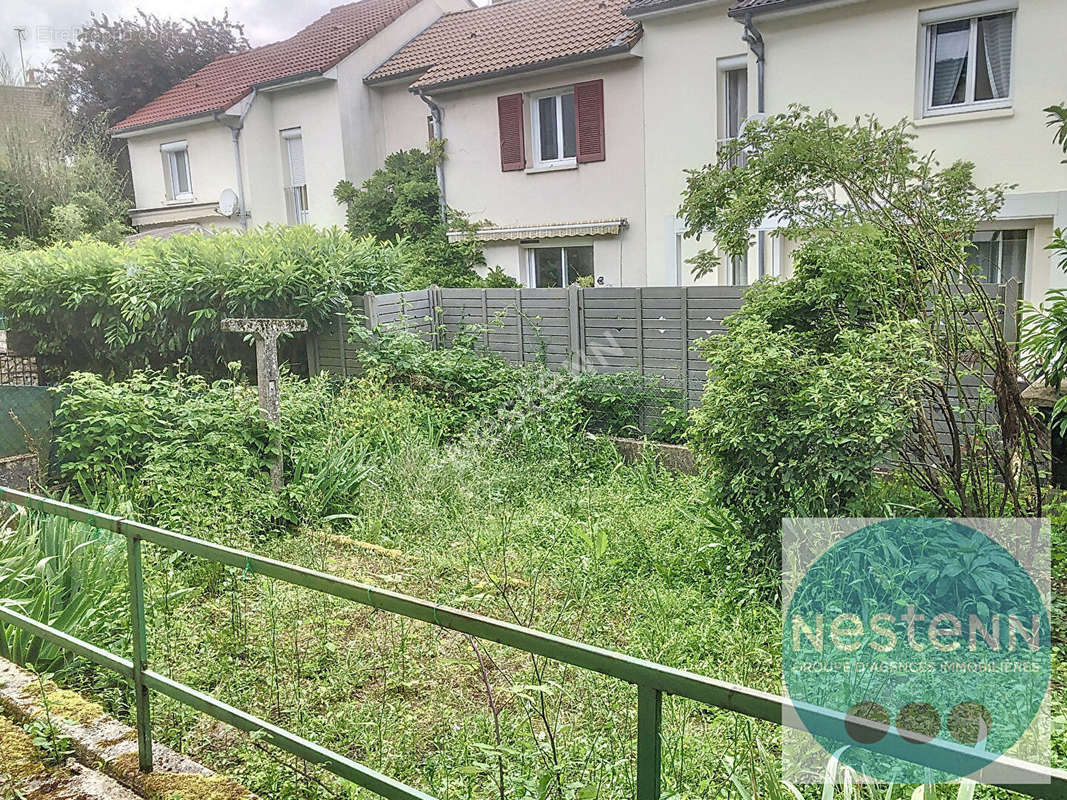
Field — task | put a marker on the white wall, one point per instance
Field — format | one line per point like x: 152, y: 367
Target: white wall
x: 865, y: 59
x: 210, y: 165
x: 610, y: 189
x: 312, y: 108
x: 681, y: 53
x: 378, y: 121
x: 857, y: 59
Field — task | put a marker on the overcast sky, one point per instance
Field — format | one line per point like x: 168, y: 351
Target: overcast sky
x: 52, y: 23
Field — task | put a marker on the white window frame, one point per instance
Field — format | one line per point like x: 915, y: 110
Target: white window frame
x: 535, y: 128
x: 169, y: 151
x: 561, y: 245
x: 298, y: 208
x: 970, y: 12
x: 1014, y: 225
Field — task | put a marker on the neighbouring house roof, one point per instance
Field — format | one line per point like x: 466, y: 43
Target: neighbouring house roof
x: 26, y: 104
x: 607, y: 227
x: 742, y: 7
x: 312, y: 51
x: 507, y: 37
x: 639, y: 8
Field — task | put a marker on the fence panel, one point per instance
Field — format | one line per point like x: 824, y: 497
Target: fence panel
x: 653, y: 331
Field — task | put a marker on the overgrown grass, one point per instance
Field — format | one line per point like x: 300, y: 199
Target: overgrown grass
x: 516, y: 514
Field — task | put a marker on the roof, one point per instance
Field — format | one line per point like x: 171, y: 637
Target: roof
x: 312, y: 51
x: 743, y: 7
x: 637, y: 8
x: 26, y: 104
x: 740, y: 8
x: 512, y: 36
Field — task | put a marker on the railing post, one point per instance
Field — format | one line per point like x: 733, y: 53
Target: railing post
x: 140, y: 653
x: 649, y: 719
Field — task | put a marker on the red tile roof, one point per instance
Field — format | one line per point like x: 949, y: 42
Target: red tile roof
x: 508, y: 37
x: 315, y: 49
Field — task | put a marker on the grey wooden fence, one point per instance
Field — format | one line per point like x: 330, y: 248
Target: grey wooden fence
x: 649, y: 330
x: 646, y: 330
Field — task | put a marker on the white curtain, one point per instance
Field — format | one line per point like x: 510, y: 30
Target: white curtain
x: 995, y: 34
x: 950, y: 60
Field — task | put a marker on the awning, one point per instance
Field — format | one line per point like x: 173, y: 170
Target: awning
x: 612, y: 227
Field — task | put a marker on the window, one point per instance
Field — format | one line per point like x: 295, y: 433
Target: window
x: 733, y: 76
x: 968, y: 64
x: 556, y: 267
x: 1000, y: 255
x: 555, y: 140
x: 176, y: 175
x: 296, y: 190
x: 737, y: 271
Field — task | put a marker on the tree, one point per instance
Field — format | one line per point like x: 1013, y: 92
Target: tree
x: 402, y: 200
x: 967, y: 438
x: 1045, y: 326
x: 115, y: 67
x: 59, y: 182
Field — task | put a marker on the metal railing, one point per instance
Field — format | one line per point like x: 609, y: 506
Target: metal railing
x: 652, y: 680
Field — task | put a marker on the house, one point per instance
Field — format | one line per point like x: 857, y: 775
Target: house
x: 540, y: 104
x: 972, y: 76
x: 263, y: 136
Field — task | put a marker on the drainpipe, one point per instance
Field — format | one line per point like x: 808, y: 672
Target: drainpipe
x: 235, y: 132
x: 435, y: 115
x: 755, y: 43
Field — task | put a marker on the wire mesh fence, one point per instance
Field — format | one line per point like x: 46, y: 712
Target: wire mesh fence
x: 25, y: 420
x: 19, y: 370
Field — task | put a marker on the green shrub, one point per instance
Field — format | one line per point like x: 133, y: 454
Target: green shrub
x: 401, y: 201
x: 111, y: 310
x: 810, y: 389
x: 478, y: 386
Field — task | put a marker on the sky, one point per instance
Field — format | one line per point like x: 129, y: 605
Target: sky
x: 52, y: 23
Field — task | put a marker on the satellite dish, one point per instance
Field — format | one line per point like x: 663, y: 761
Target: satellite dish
x: 227, y: 202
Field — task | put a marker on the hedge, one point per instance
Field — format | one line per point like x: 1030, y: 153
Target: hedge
x: 110, y: 310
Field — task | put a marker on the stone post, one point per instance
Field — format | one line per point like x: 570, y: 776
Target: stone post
x: 266, y: 332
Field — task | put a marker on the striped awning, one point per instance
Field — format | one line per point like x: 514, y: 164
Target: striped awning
x: 609, y: 227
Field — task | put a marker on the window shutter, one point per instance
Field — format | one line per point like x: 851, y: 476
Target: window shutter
x: 589, y: 117
x: 512, y: 140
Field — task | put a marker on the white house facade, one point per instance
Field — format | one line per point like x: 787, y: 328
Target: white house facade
x: 567, y: 125
x: 973, y: 77
x: 540, y: 105
x: 263, y: 136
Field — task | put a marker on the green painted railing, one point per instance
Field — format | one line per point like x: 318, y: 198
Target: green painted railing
x: 652, y: 680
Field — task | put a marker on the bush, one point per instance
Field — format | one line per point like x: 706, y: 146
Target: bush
x: 862, y: 187
x: 811, y: 388
x: 477, y: 385
x: 59, y: 182
x: 401, y: 201
x: 111, y: 310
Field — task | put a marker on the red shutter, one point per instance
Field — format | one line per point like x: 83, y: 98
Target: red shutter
x: 589, y: 119
x: 512, y: 140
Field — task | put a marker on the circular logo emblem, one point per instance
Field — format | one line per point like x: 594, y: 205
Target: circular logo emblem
x: 927, y: 627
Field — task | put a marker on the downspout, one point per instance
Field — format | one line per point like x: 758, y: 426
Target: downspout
x: 755, y: 43
x: 754, y: 39
x: 235, y: 132
x: 438, y: 135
